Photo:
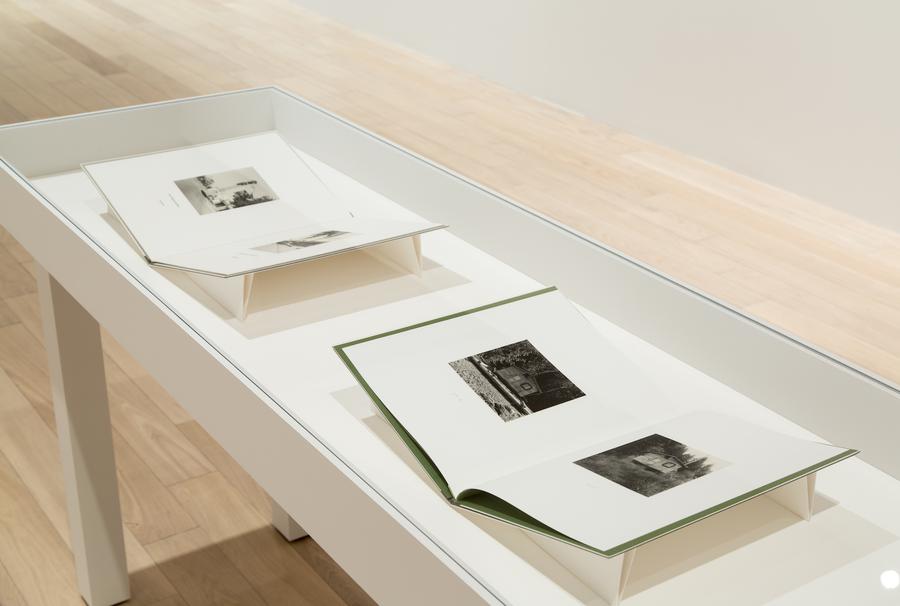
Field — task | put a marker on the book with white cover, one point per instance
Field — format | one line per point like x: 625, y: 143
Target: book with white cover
x: 236, y: 207
x: 520, y: 410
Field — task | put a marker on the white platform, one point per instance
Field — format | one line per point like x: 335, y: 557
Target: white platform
x: 270, y: 389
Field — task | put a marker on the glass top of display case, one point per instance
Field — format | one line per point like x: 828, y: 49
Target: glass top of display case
x: 699, y: 353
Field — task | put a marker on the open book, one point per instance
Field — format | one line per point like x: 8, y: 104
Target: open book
x: 235, y: 207
x: 520, y: 410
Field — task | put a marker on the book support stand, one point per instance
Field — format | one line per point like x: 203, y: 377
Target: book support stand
x: 608, y: 577
x: 233, y: 293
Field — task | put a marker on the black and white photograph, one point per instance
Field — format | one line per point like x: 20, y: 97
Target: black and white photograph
x: 516, y: 380
x: 226, y: 190
x: 652, y: 464
x: 304, y: 242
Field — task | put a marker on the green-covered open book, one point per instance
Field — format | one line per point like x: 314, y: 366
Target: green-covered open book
x: 521, y: 410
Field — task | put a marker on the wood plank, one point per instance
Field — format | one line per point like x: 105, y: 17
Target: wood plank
x: 30, y: 268
x: 138, y: 87
x: 163, y: 400
x: 274, y: 569
x: 32, y: 451
x: 85, y: 96
x: 23, y: 358
x: 13, y: 247
x: 239, y: 479
x: 148, y: 73
x: 33, y: 554
x: 26, y: 309
x: 44, y: 90
x: 339, y: 581
x: 790, y: 316
x: 9, y: 593
x: 148, y: 583
x: 201, y: 572
x: 31, y: 48
x: 75, y: 49
x: 111, y: 93
x: 122, y: 13
x: 149, y: 510
x: 9, y: 114
x: 164, y: 449
x: 26, y: 105
x: 14, y: 279
x: 7, y: 315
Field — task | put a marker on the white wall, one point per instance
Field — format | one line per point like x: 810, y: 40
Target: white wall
x: 803, y: 94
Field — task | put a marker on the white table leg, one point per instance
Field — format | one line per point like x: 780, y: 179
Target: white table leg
x: 72, y: 339
x: 285, y: 524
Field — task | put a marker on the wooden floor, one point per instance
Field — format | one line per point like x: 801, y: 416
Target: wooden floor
x: 196, y: 527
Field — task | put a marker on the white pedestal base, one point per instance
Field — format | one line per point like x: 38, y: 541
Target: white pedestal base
x: 608, y: 577
x: 234, y: 293
x: 404, y: 254
x: 797, y: 497
x: 231, y: 293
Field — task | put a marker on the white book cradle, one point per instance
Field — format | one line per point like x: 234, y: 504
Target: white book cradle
x: 608, y: 577
x: 234, y: 293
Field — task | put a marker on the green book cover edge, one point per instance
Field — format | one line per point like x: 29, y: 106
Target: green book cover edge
x: 494, y: 507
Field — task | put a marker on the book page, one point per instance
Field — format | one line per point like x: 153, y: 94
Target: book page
x: 211, y: 195
x: 616, y: 491
x: 505, y: 388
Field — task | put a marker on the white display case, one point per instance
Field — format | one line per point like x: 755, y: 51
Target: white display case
x: 270, y: 389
